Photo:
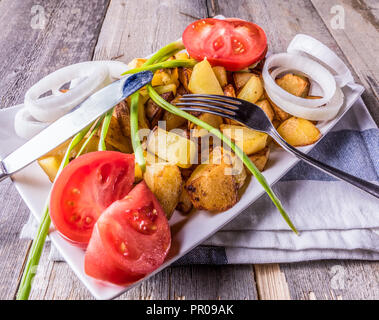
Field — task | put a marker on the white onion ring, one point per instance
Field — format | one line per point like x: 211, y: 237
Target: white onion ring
x: 51, y: 108
x: 314, y: 48
x: 96, y: 74
x: 314, y: 70
x: 26, y: 126
x: 323, y: 113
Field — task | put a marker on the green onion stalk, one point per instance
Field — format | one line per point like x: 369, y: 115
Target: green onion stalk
x: 188, y: 63
x: 246, y: 160
x: 155, y: 62
x: 43, y: 230
x: 104, y: 130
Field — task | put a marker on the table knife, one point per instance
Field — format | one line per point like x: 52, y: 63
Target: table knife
x: 73, y: 122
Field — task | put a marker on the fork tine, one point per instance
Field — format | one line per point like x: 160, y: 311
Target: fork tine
x: 213, y: 96
x: 217, y: 113
x: 206, y: 105
x: 214, y: 101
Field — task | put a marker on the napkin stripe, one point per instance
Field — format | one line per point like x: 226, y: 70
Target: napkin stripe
x: 204, y: 255
x: 338, y: 149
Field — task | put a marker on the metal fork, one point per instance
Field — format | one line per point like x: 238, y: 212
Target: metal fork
x: 255, y: 118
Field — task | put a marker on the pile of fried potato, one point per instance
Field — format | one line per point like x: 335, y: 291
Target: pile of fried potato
x: 171, y: 174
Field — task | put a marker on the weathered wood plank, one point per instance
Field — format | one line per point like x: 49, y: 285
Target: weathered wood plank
x: 271, y: 282
x: 27, y: 55
x: 333, y: 280
x: 357, y: 18
x: 13, y: 213
x: 213, y: 282
x: 136, y: 29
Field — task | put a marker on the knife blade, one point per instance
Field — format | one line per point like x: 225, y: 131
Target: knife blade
x: 75, y: 121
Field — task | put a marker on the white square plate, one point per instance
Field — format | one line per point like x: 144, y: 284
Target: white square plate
x: 187, y: 231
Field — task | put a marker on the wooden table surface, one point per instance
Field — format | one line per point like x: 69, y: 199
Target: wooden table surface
x: 38, y: 37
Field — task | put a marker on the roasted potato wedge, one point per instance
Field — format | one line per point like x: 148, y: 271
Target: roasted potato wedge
x: 299, y: 132
x: 241, y: 78
x: 116, y: 138
x: 296, y: 85
x: 248, y: 140
x: 172, y: 148
x: 184, y: 204
x: 260, y: 158
x: 203, y: 80
x: 51, y: 162
x: 280, y: 114
x: 229, y: 91
x: 214, y: 120
x: 252, y: 90
x: 136, y: 63
x: 221, y: 75
x: 122, y: 113
x: 166, y: 89
x: 181, y: 55
x: 184, y: 77
x: 221, y: 155
x: 164, y: 77
x: 266, y: 107
x: 153, y: 112
x: 165, y: 181
x: 210, y: 189
x: 173, y: 121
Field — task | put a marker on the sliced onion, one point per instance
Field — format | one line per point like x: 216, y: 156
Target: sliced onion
x: 85, y: 78
x: 323, y: 113
x: 51, y: 108
x: 314, y: 70
x: 26, y: 126
x: 322, y: 109
x: 305, y: 44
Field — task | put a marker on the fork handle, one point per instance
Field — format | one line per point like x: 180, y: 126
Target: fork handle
x: 370, y: 188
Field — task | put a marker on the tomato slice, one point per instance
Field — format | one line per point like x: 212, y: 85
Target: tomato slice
x: 233, y: 43
x: 85, y: 188
x: 130, y: 239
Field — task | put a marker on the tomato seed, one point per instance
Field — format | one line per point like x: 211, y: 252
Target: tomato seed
x: 74, y: 217
x: 124, y: 249
x: 75, y: 191
x: 70, y: 203
x: 88, y: 220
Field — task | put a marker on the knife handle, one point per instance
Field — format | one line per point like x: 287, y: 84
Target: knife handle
x: 3, y: 173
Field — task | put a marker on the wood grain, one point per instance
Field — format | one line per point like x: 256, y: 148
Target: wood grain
x: 361, y: 18
x: 333, y: 280
x: 271, y: 282
x: 28, y: 54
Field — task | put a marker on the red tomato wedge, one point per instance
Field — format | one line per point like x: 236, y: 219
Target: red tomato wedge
x: 85, y: 188
x: 130, y: 239
x: 233, y: 43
